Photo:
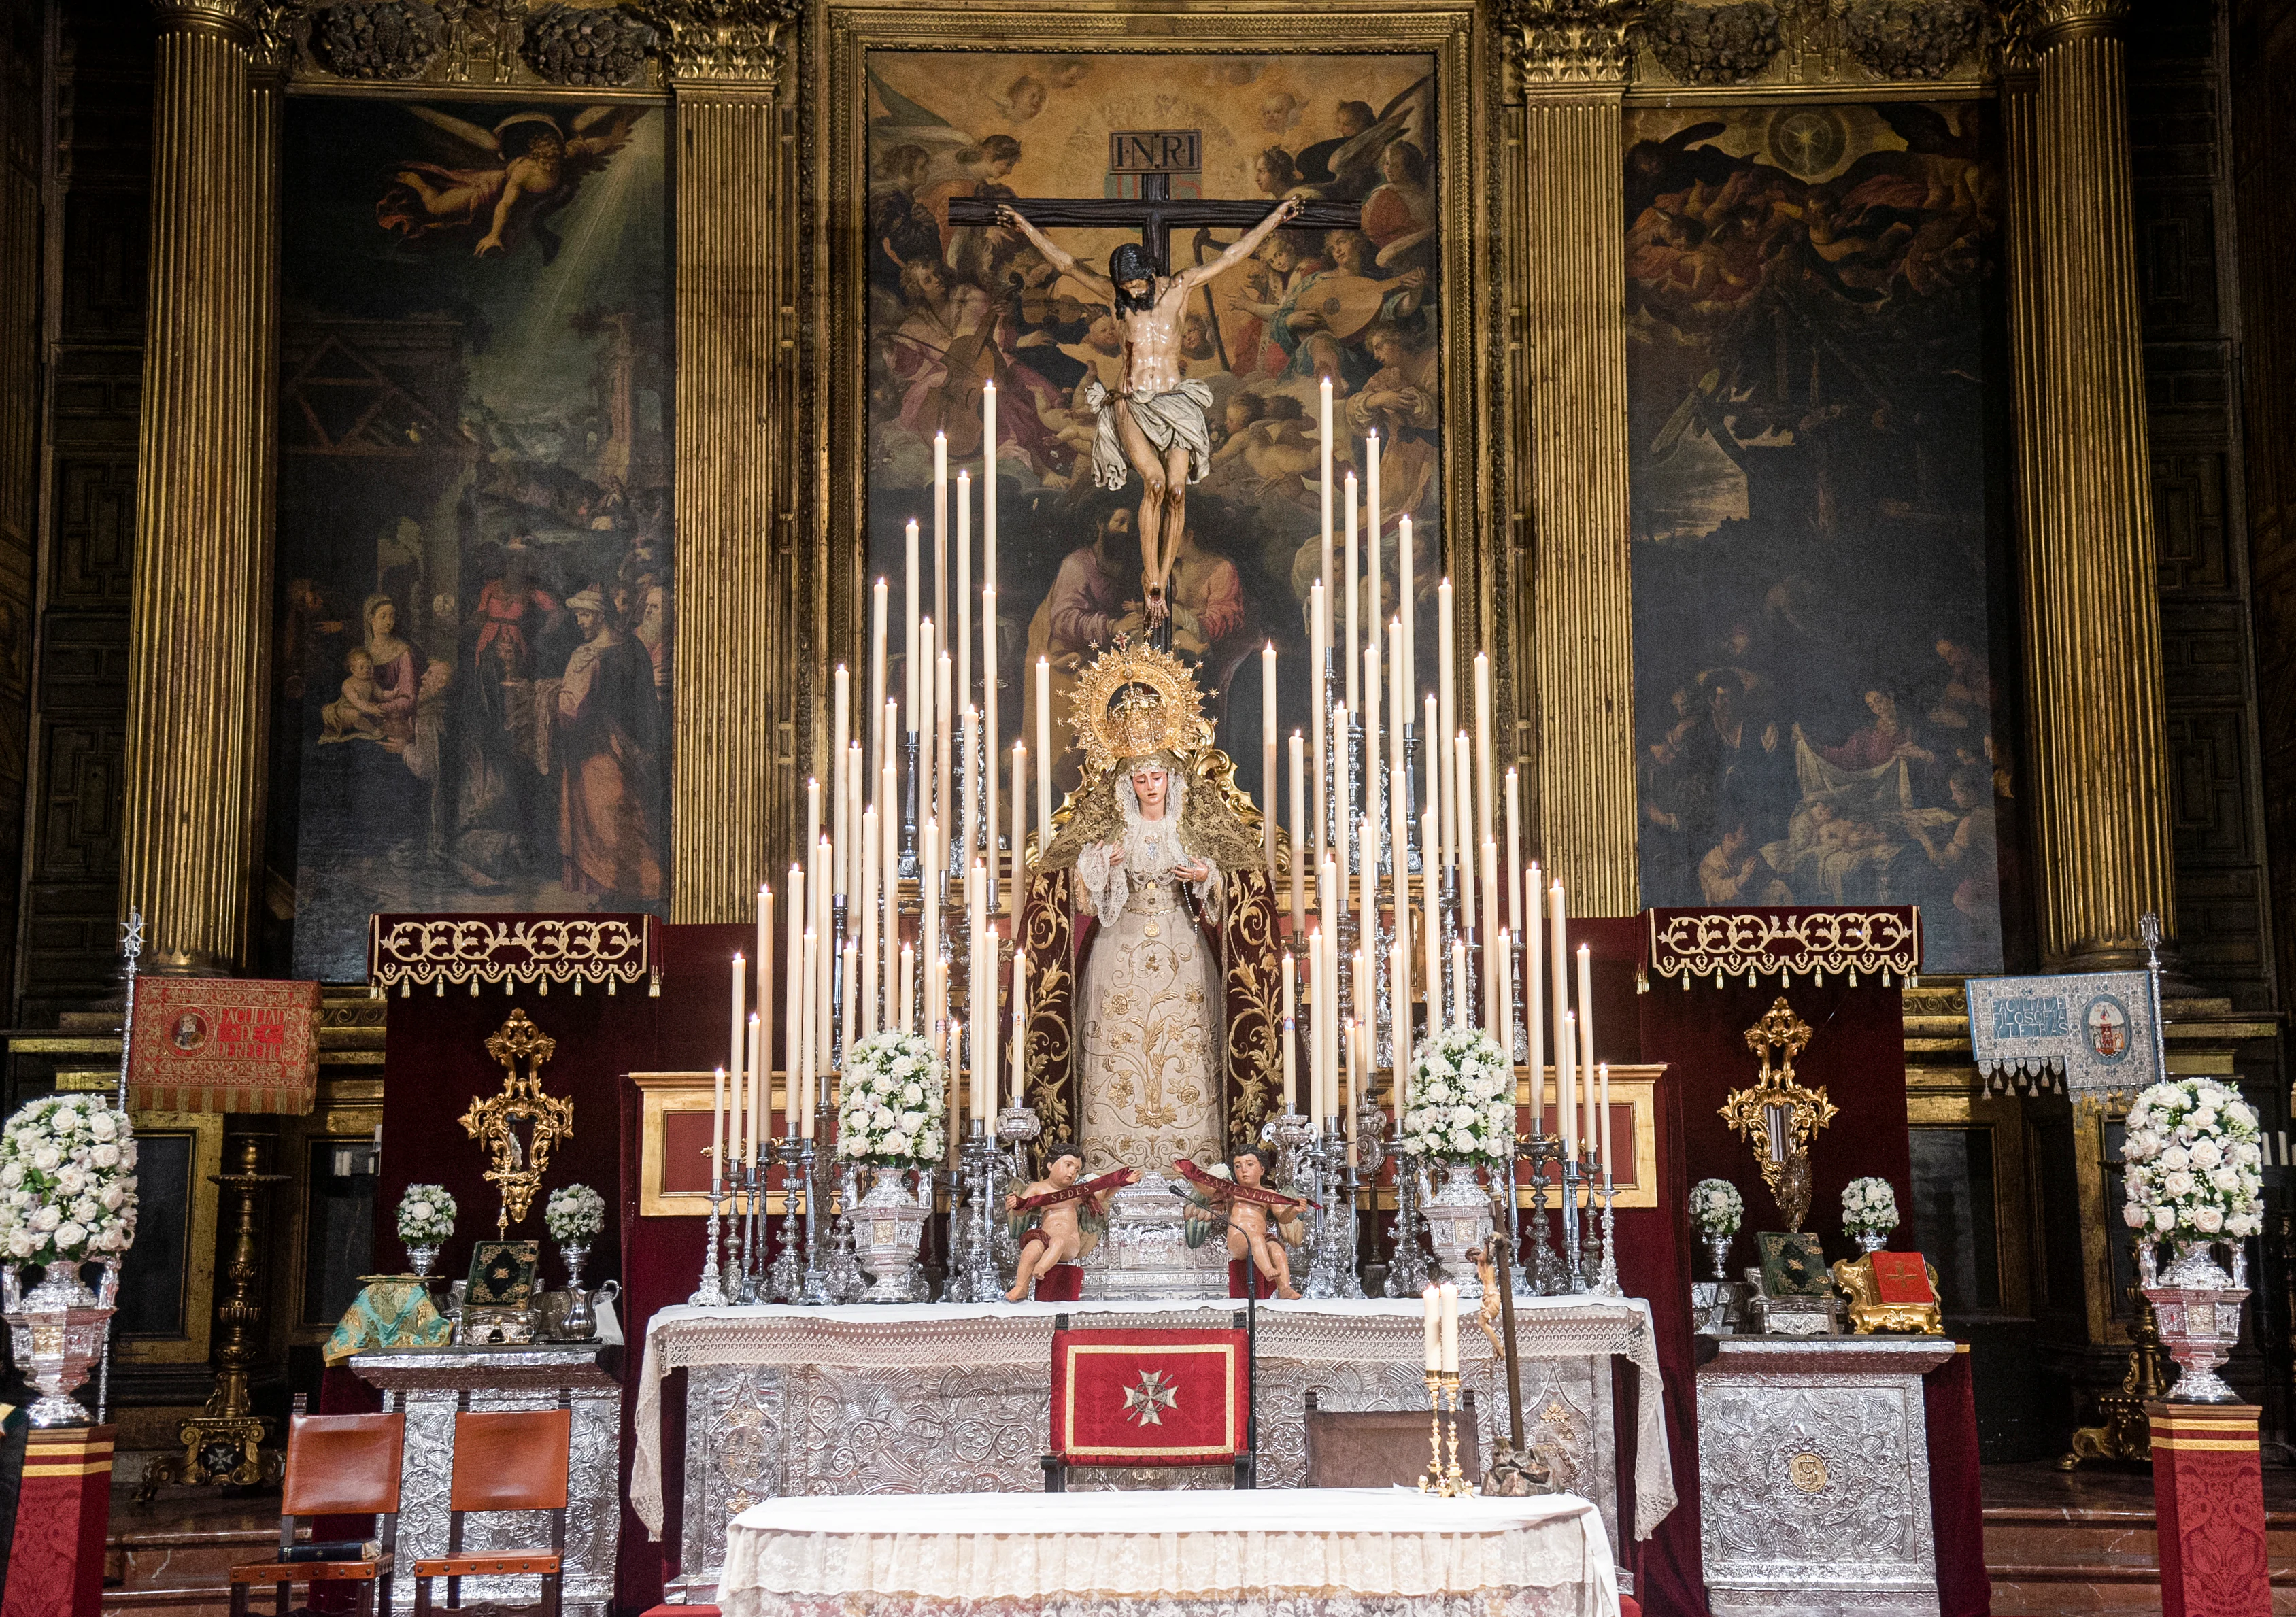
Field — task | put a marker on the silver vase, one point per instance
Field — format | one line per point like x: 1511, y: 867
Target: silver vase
x: 57, y: 1329
x: 420, y: 1257
x: 581, y: 1321
x: 888, y: 1223
x: 1458, y: 1215
x: 2196, y: 1305
x: 1870, y: 1240
x: 1718, y: 1251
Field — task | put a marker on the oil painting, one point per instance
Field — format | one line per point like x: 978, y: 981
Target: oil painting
x: 474, y: 610
x: 1821, y: 503
x: 952, y: 305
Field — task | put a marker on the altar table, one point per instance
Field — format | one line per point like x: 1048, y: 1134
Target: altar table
x: 1342, y: 1552
x: 932, y: 1398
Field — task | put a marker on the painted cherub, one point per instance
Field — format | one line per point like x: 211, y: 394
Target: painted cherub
x: 1260, y: 1222
x: 1056, y: 1220
x: 531, y: 169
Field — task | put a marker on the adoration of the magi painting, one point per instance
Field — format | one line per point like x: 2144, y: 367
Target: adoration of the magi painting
x: 474, y: 617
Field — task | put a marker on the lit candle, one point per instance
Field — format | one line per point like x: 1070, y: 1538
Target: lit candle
x: 988, y: 487
x: 1371, y: 764
x: 792, y: 995
x: 1432, y: 1300
x: 1319, y: 640
x: 985, y: 1081
x: 1316, y: 1008
x: 717, y: 1131
x: 1514, y: 853
x: 1323, y: 431
x: 1559, y: 964
x: 990, y: 740
x: 1446, y: 679
x: 1355, y: 596
x: 929, y: 929
x: 1044, y: 756
x: 1370, y: 529
x: 1398, y: 1032
x: 876, y: 671
x: 920, y: 721
x: 851, y: 980
x: 1504, y: 1019
x: 1534, y: 1003
x: 842, y: 723
x: 1462, y: 850
x: 972, y: 1096
x: 1450, y: 1328
x: 909, y: 987
x: 760, y: 1085
x: 1020, y: 830
x: 1487, y: 873
x: 1291, y: 1017
x: 1587, y: 1034
x: 940, y: 528
x: 807, y: 1043
x: 1351, y: 1102
x: 1398, y: 879
x: 741, y: 1020
x: 1482, y: 747
x: 968, y: 774
x: 1299, y: 836
x: 1267, y: 756
x: 1431, y: 921
x: 1430, y: 835
x: 1399, y: 696
x: 944, y: 715
x: 1602, y: 1115
x: 1407, y: 571
x: 909, y: 606
x: 869, y: 959
x: 1366, y: 891
x: 1020, y: 1026
x: 824, y: 928
x: 1566, y: 1081
x: 964, y: 589
x: 1458, y: 1017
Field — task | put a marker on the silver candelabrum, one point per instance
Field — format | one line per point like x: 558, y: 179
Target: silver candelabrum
x: 973, y: 1275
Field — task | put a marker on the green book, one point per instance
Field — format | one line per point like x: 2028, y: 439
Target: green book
x: 502, y: 1274
x: 1793, y: 1266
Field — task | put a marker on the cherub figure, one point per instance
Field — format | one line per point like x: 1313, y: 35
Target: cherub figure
x: 1056, y: 1220
x: 539, y: 169
x: 358, y: 712
x: 1261, y: 1222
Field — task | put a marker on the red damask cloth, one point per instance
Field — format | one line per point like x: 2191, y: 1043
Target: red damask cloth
x: 221, y: 1043
x: 1150, y: 1398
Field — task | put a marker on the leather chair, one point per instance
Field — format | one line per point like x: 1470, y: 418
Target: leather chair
x: 503, y: 1460
x: 1383, y: 1447
x: 337, y: 1466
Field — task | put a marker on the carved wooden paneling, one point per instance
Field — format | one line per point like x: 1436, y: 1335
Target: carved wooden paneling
x: 2188, y: 520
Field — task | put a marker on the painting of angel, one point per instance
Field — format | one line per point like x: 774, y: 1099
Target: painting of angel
x: 521, y: 174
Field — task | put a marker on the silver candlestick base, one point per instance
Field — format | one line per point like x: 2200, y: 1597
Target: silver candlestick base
x: 1606, y: 1278
x: 1323, y: 1236
x: 1407, y: 1269
x: 710, y: 1294
x: 1287, y: 1132
x: 784, y: 1281
x: 973, y: 1276
x: 843, y: 1276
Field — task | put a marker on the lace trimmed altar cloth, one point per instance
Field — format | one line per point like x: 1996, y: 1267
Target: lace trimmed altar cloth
x: 1353, y: 1552
x: 929, y: 1397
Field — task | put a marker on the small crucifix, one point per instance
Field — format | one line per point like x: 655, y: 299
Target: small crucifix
x: 1154, y: 422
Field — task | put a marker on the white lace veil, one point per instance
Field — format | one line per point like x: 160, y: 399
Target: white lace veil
x: 1153, y: 847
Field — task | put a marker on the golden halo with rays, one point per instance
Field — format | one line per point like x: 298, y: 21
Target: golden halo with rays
x: 1134, y: 699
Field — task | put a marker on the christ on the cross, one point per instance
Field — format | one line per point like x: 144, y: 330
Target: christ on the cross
x: 1155, y: 423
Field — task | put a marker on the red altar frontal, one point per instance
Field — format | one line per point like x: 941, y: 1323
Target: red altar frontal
x: 625, y: 994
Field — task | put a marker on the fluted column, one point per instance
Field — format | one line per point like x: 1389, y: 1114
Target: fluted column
x: 737, y: 666
x: 198, y: 655
x: 1568, y: 273
x: 2098, y: 768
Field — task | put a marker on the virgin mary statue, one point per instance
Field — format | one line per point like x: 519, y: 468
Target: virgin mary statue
x: 1150, y: 934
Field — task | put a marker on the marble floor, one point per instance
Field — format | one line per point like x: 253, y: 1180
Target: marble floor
x: 2059, y: 1542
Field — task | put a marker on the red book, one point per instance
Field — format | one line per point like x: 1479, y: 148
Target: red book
x: 1901, y: 1277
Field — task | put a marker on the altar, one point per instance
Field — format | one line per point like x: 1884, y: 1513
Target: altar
x: 787, y: 1401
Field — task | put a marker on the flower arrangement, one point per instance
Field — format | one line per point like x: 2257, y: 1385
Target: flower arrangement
x: 575, y: 1213
x: 1716, y: 1207
x: 1869, y: 1206
x: 426, y: 1215
x: 890, y: 1108
x: 1461, y: 1102
x: 67, y: 1183
x: 2193, y: 1155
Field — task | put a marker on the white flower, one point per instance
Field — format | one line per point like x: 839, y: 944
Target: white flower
x: 2206, y: 1154
x: 103, y: 1125
x: 2178, y: 1184
x: 47, y: 1159
x: 69, y: 1237
x: 2176, y: 1156
x: 47, y: 1218
x: 2164, y: 1218
x: 2208, y: 1218
x: 2133, y: 1216
x: 105, y: 1156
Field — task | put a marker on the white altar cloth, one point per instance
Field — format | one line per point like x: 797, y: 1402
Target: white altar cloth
x: 1367, y: 1552
x: 783, y: 1402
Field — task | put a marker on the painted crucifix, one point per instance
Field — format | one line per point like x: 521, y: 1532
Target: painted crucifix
x: 1156, y: 422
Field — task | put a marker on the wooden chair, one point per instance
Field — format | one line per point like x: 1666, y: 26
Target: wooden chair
x: 515, y: 1459
x: 1383, y: 1447
x: 337, y: 1466
x: 1235, y: 1343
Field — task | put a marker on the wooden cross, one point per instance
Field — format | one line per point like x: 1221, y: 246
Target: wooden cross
x: 1153, y: 213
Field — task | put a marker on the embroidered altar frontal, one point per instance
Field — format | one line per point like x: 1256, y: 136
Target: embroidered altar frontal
x: 781, y: 1402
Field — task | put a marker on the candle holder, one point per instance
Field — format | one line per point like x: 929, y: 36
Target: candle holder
x: 973, y: 1276
x: 814, y: 1289
x: 1406, y: 1268
x: 1347, y: 1260
x: 1430, y: 1481
x: 908, y: 867
x: 1442, y: 1477
x: 1590, y: 1240
x: 1543, y: 1275
x: 1323, y: 1237
x: 785, y: 1282
x: 1570, y: 1278
x: 710, y: 1294
x: 1382, y: 996
x: 749, y: 1238
x: 1290, y: 1131
x: 1016, y: 1127
x: 1413, y: 864
x: 1606, y: 1279
x: 1456, y: 1485
x: 843, y: 1276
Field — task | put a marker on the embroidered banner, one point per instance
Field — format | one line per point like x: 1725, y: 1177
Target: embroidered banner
x: 1777, y: 942
x: 408, y: 951
x: 221, y: 1043
x: 2093, y: 1032
x: 1149, y: 1397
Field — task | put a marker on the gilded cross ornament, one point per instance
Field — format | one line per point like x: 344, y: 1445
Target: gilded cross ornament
x: 1777, y: 1114
x: 1145, y: 1405
x: 519, y: 1127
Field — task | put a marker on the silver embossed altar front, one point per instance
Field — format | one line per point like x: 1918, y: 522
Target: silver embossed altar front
x: 943, y: 1398
x: 1814, y: 1476
x: 429, y: 1385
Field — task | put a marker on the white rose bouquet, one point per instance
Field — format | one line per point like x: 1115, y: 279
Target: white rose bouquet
x: 1461, y: 1100
x: 2193, y: 1156
x: 1716, y: 1207
x: 890, y: 1107
x: 1869, y: 1206
x: 574, y: 1214
x: 426, y: 1215
x: 67, y: 1183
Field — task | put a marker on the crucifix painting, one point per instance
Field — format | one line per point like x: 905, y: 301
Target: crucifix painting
x: 1157, y: 268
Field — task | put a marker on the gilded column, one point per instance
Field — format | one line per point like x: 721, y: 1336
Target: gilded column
x: 736, y: 673
x: 1569, y: 284
x: 198, y: 653
x: 2098, y: 769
